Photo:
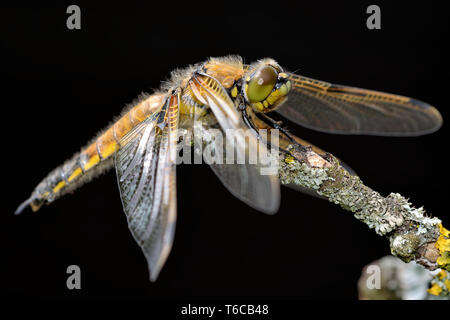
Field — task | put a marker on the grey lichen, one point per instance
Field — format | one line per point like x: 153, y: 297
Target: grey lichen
x: 339, y: 187
x: 407, y: 228
x: 301, y: 174
x: 404, y: 246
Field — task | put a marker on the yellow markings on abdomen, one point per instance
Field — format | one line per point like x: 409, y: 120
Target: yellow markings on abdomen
x: 92, y: 156
x: 59, y: 186
x: 72, y: 172
x: 107, y: 144
x: 75, y: 174
x: 109, y: 141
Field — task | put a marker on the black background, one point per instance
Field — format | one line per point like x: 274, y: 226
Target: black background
x: 63, y: 86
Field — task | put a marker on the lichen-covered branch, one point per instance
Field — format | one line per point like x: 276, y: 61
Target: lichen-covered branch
x: 413, y: 235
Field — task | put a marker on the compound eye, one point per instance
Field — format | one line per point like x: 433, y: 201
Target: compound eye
x: 261, y: 84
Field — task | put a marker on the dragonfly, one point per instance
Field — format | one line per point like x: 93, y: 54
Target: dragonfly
x: 227, y: 94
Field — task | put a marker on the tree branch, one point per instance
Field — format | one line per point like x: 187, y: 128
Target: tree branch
x: 412, y: 234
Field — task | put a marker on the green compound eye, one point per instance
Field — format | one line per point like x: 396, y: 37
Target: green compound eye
x: 261, y: 84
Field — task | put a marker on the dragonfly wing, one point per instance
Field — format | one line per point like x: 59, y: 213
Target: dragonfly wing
x: 340, y: 109
x: 245, y: 181
x: 146, y: 177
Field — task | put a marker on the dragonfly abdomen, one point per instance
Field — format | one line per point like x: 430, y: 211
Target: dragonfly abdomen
x: 108, y: 142
x: 95, y: 158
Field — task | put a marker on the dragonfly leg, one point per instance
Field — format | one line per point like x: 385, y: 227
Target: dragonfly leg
x: 296, y: 144
x: 249, y: 123
x: 278, y: 125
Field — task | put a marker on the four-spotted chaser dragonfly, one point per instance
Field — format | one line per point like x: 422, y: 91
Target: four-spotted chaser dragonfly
x: 225, y: 93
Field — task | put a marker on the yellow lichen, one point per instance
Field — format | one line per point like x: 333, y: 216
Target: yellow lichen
x: 289, y: 159
x: 444, y: 259
x: 442, y: 274
x: 447, y: 284
x: 443, y: 244
x: 435, y: 289
x: 444, y: 231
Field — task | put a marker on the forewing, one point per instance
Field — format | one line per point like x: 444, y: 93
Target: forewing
x: 245, y: 181
x: 146, y: 180
x: 340, y: 109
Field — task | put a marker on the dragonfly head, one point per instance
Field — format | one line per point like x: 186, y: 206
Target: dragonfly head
x: 266, y: 86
